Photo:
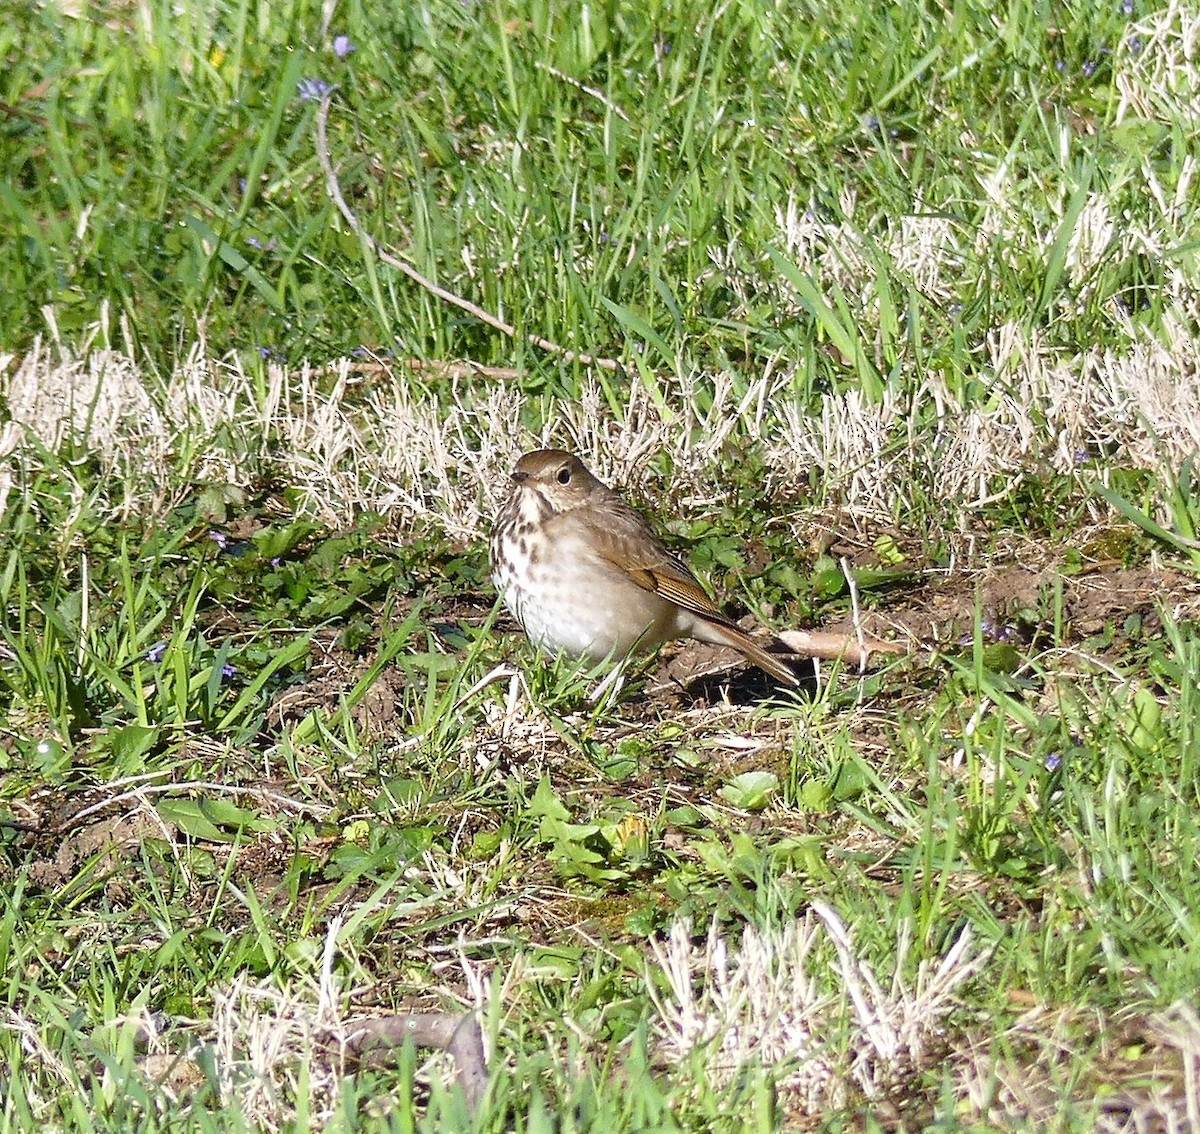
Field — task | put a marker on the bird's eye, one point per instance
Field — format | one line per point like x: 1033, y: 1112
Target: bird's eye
x: 564, y: 475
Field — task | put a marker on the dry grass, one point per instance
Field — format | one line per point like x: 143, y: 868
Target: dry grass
x: 766, y: 1002
x: 348, y: 444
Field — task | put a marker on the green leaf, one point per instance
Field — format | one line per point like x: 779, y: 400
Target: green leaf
x: 1189, y: 547
x: 130, y: 743
x: 189, y: 817
x: 751, y: 791
x: 293, y: 651
x: 867, y: 578
x: 233, y: 259
x: 838, y: 324
x: 814, y: 796
x: 569, y: 839
x: 639, y: 328
x: 1002, y: 657
x: 827, y: 579
x: 274, y: 542
x: 1057, y: 258
x: 888, y: 550
x: 804, y: 853
x: 211, y: 820
x: 1143, y: 720
x: 546, y: 803
x: 226, y: 813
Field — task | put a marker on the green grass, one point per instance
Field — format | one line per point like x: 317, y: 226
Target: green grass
x: 271, y: 766
x: 190, y: 152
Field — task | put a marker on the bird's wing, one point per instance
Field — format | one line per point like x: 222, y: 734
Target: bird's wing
x: 629, y: 544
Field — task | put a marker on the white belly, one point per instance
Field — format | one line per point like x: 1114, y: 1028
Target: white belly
x: 571, y: 602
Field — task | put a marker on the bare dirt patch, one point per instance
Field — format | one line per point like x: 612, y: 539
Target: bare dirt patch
x: 107, y: 844
x: 1022, y: 599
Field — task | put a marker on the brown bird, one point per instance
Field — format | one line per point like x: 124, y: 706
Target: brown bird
x: 586, y: 576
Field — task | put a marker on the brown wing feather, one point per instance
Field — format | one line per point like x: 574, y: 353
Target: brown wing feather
x: 686, y: 592
x: 628, y: 542
x: 631, y: 545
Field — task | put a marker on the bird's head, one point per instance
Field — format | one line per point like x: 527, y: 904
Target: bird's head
x: 559, y: 478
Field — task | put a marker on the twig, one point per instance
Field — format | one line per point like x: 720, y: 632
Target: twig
x: 834, y: 646
x: 139, y: 793
x: 334, y: 189
x: 848, y: 574
x: 372, y: 366
x: 596, y: 94
x: 375, y: 1042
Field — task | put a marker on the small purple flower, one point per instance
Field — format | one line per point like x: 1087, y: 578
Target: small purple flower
x: 219, y: 538
x: 989, y: 631
x: 312, y: 90
x: 228, y: 670
x: 1136, y: 45
x: 254, y: 242
x: 1081, y: 455
x: 343, y: 45
x: 1060, y: 66
x: 277, y: 560
x: 1127, y: 7
x: 1053, y: 762
x: 155, y: 653
x: 1089, y: 69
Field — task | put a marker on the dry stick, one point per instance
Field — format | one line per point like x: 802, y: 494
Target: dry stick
x: 596, y: 94
x: 147, y: 789
x: 854, y: 650
x: 848, y: 574
x: 375, y: 1041
x: 834, y: 646
x: 334, y: 190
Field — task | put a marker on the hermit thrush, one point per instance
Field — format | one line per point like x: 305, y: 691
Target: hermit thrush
x: 586, y: 576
